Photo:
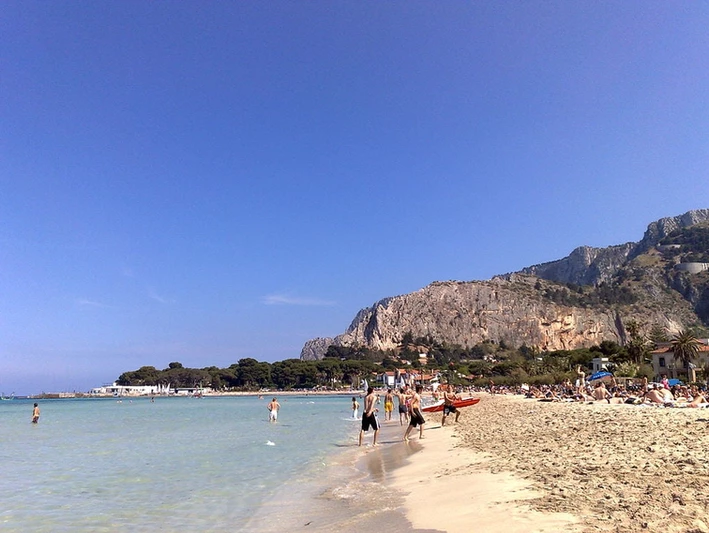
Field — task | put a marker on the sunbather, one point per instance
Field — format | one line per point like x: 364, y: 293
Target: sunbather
x: 698, y: 399
x: 660, y: 395
x: 600, y: 392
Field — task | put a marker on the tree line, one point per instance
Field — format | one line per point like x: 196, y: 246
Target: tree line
x: 346, y: 366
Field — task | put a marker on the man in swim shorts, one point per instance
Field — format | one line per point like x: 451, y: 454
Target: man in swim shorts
x: 388, y: 405
x: 35, y: 414
x: 449, y: 397
x: 416, y: 418
x: 403, y: 408
x: 369, y: 418
x: 273, y: 407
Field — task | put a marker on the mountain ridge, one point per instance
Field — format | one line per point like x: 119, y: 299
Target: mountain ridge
x: 577, y: 301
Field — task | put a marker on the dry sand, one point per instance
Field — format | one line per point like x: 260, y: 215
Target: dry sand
x: 512, y: 464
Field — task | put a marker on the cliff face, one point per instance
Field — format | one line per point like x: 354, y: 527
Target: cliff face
x: 468, y: 313
x: 585, y: 265
x: 514, y: 308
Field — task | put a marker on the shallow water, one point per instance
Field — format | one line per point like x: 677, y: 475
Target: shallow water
x: 179, y: 464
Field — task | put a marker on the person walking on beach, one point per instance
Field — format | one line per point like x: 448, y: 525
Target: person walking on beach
x: 416, y: 418
x: 449, y: 397
x: 403, y: 408
x: 388, y: 405
x: 35, y: 414
x: 369, y: 418
x: 355, y: 408
x: 273, y: 407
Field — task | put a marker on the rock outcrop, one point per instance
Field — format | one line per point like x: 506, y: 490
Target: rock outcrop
x: 593, y: 266
x: 314, y: 349
x: 514, y: 307
x: 585, y: 265
x: 468, y: 313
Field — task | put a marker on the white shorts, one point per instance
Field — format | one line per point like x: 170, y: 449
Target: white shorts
x: 273, y: 415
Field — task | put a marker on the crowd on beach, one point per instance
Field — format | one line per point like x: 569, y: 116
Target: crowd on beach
x: 608, y: 390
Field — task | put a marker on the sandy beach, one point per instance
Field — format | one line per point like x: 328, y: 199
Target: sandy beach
x: 513, y: 464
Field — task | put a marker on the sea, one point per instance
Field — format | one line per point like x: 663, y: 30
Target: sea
x: 211, y: 464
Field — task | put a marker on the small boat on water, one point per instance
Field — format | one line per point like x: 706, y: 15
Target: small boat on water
x: 438, y: 406
x: 11, y: 397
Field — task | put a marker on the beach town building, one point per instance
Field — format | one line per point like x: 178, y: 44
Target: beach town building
x: 123, y: 390
x: 600, y: 364
x: 147, y: 390
x: 665, y: 364
x: 410, y: 377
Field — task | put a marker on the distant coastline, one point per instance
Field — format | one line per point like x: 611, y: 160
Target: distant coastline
x: 75, y: 395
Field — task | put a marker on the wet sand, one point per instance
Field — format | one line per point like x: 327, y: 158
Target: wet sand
x: 512, y: 465
x: 350, y: 495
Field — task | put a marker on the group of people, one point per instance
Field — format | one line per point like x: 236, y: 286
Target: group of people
x: 409, y: 408
x: 642, y: 393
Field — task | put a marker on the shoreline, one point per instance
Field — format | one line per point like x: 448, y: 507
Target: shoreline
x: 82, y: 395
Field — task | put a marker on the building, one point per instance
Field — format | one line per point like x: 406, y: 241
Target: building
x: 600, y: 364
x: 664, y: 363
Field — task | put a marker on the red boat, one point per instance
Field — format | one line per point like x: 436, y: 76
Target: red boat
x: 438, y: 406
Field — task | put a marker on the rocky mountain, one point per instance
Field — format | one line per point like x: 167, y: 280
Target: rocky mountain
x: 591, y: 266
x: 577, y: 301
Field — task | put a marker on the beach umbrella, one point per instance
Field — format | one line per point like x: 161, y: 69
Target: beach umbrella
x: 600, y: 375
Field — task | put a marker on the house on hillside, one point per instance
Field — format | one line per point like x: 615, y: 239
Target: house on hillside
x: 664, y: 363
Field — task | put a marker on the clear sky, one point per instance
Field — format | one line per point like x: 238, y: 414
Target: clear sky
x: 207, y: 181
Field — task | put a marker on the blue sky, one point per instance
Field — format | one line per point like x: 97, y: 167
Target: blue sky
x: 207, y: 181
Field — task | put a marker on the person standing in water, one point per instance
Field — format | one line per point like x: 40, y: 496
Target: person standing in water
x: 403, y: 407
x: 388, y: 405
x: 355, y: 408
x: 369, y: 418
x: 273, y: 407
x: 35, y: 414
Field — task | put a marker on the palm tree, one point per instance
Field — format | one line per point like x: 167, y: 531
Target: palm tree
x: 685, y: 347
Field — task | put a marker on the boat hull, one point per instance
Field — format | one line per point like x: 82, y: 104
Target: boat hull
x: 438, y: 407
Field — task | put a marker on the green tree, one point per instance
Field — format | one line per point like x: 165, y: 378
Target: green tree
x: 284, y: 373
x: 685, y: 347
x: 329, y: 371
x: 253, y: 374
x: 407, y: 340
x: 658, y: 334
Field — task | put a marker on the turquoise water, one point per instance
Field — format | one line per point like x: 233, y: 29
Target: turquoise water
x: 179, y: 464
